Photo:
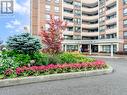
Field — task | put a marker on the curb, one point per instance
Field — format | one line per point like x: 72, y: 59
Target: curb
x: 53, y: 77
x: 107, y: 57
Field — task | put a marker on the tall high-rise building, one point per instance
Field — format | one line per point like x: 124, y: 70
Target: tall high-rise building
x: 99, y: 24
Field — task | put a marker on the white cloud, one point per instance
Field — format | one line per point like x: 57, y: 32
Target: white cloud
x: 16, y: 22
x: 13, y: 24
x: 16, y: 26
x: 9, y: 25
x: 22, y: 8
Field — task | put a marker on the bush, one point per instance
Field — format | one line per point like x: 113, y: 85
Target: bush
x: 74, y: 58
x: 67, y: 58
x: 9, y: 53
x: 22, y: 59
x: 6, y: 63
x: 24, y: 43
x: 54, y: 59
x: 40, y: 58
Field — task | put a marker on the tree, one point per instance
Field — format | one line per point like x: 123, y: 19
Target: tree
x: 24, y: 43
x: 1, y: 46
x: 53, y: 37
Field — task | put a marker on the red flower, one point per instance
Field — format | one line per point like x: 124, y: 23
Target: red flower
x: 97, y: 64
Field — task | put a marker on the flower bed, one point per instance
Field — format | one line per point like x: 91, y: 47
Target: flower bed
x: 53, y: 69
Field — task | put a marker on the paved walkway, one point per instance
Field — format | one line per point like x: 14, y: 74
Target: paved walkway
x: 112, y: 84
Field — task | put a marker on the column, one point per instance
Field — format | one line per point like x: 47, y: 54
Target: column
x: 79, y: 48
x: 62, y: 47
x: 65, y: 48
x: 90, y: 51
x: 99, y: 48
x: 112, y: 50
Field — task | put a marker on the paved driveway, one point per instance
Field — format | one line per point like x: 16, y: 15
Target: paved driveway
x: 112, y: 84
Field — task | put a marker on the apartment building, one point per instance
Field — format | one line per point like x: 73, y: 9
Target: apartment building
x: 94, y: 25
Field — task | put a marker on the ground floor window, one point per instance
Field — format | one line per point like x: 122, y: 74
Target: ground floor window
x: 107, y: 48
x: 125, y: 47
x: 71, y: 47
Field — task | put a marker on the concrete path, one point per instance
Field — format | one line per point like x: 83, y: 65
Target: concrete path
x: 112, y: 84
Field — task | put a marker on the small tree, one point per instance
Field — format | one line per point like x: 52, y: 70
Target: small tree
x: 24, y: 43
x: 1, y: 46
x: 53, y: 37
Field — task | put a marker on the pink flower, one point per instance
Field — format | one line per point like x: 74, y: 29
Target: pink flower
x: 97, y: 64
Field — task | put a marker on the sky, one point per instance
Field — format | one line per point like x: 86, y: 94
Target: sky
x: 14, y: 24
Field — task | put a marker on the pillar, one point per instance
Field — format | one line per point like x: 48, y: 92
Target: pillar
x: 62, y: 47
x: 79, y: 48
x: 90, y: 51
x: 65, y: 48
x: 112, y: 49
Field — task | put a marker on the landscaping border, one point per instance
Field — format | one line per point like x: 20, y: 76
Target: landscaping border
x: 53, y: 77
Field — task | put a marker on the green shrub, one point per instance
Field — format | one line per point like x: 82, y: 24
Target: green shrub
x: 22, y: 59
x: 74, y: 58
x: 54, y: 59
x: 45, y: 59
x: 40, y: 58
x: 68, y: 58
x: 6, y: 63
x: 9, y: 53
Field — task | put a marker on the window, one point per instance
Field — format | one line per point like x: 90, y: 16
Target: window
x: 102, y: 19
x: 111, y: 16
x: 111, y: 26
x: 125, y: 12
x: 57, y: 1
x: 102, y: 28
x: 77, y: 13
x: 77, y: 37
x: 56, y: 9
x: 102, y: 10
x: 125, y: 23
x: 125, y: 35
x: 68, y: 37
x: 77, y: 21
x: 47, y: 17
x: 102, y: 36
x: 77, y: 4
x: 124, y: 1
x: 56, y: 17
x: 77, y: 29
x: 47, y: 7
x: 47, y: 0
x: 47, y: 26
x: 125, y: 47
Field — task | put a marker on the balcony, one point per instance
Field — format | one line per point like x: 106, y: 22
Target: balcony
x: 110, y: 21
x: 90, y: 26
x: 90, y: 33
x: 66, y: 5
x: 90, y: 2
x: 66, y: 32
x: 90, y: 9
x: 109, y: 2
x: 90, y: 18
x: 110, y: 11
x: 100, y: 41
x: 70, y: 23
x: 67, y: 14
x: 111, y: 31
